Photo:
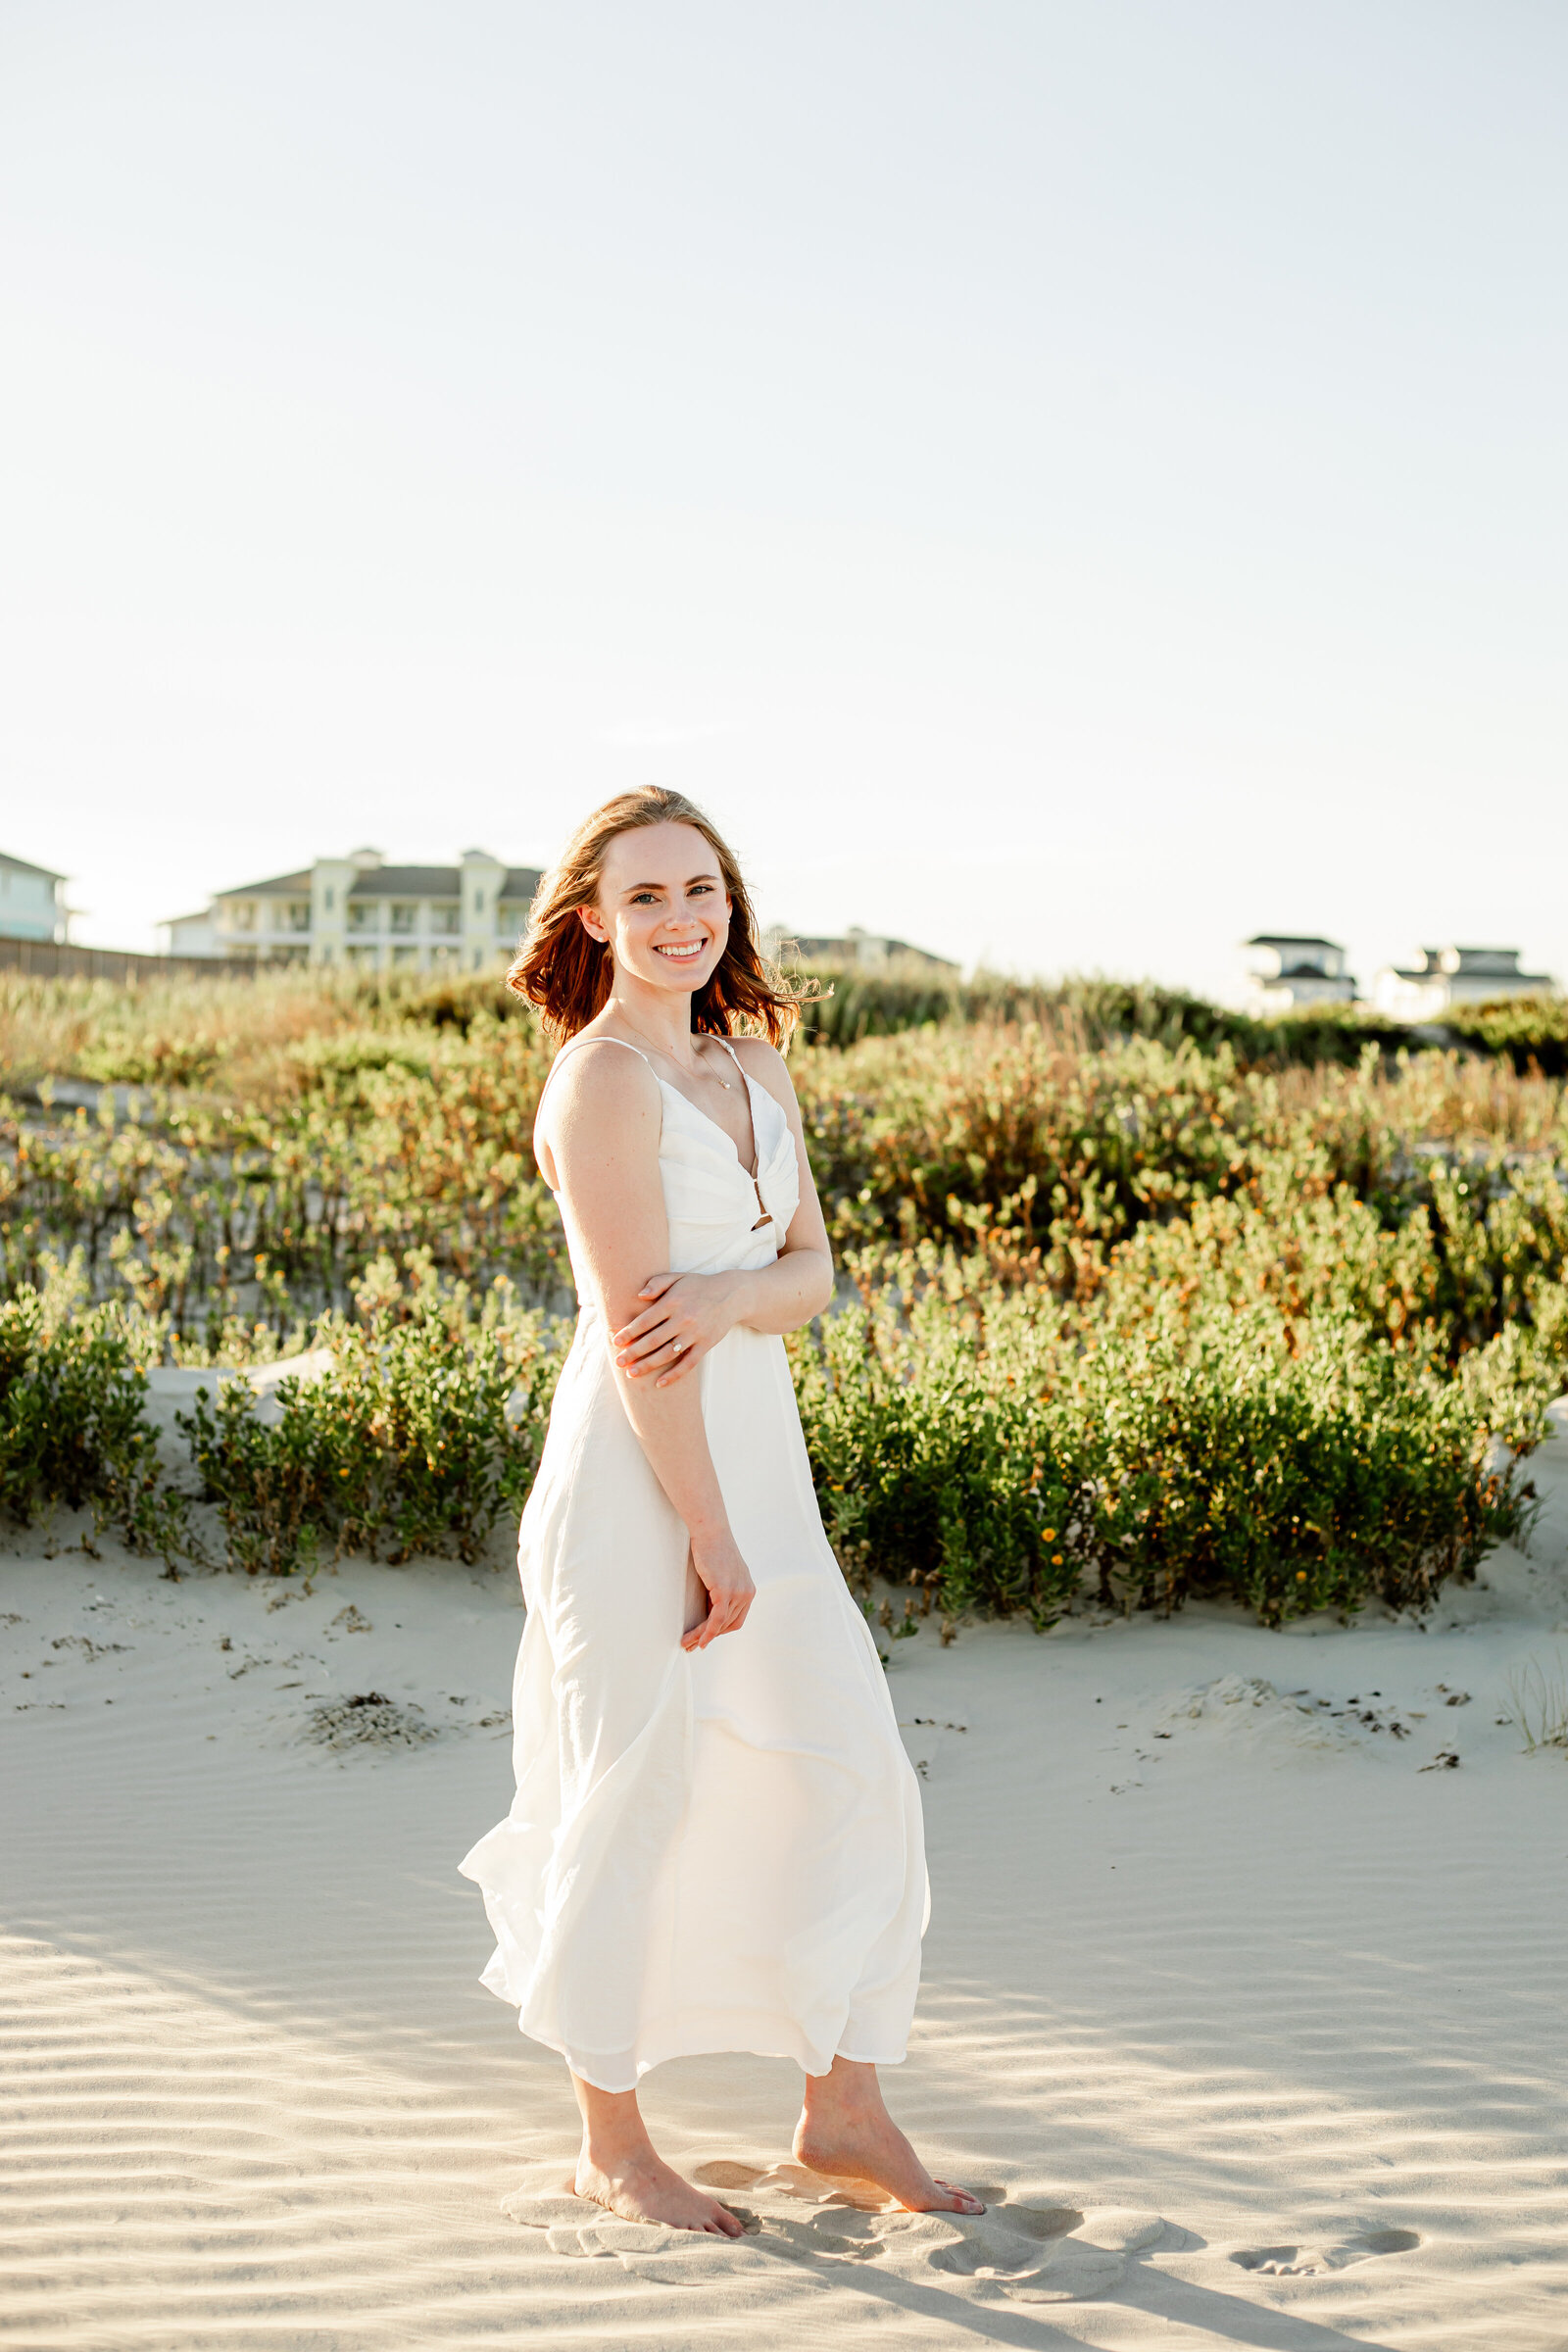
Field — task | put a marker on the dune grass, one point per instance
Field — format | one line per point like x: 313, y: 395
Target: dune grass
x: 1217, y: 1321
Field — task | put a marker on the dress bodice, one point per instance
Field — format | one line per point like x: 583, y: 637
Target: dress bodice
x: 720, y: 1217
x: 722, y: 1221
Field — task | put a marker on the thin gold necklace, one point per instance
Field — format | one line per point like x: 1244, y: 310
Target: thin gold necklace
x: 664, y: 1050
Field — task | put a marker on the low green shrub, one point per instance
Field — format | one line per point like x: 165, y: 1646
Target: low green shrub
x: 149, y: 1059
x: 1530, y: 1031
x: 424, y: 1432
x: 74, y: 1425
x: 1293, y: 1478
x: 992, y: 1444
x: 1087, y: 1012
x: 930, y: 1472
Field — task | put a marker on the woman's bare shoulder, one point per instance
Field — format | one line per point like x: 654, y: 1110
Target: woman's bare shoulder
x: 767, y: 1065
x: 599, y: 1079
x: 599, y: 1071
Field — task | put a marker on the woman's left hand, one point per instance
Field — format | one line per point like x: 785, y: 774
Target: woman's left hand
x: 691, y: 1313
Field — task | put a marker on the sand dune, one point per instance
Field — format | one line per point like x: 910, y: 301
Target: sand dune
x: 1242, y: 2007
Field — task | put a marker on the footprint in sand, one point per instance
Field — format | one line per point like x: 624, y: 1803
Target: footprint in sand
x: 1029, y: 2253
x: 1303, y: 2262
x: 1005, y: 2240
x: 1079, y: 2267
x: 1074, y: 2273
x: 722, y: 2174
x: 1125, y: 2228
x: 1019, y: 2251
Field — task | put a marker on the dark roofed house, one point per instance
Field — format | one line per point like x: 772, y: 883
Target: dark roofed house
x: 1290, y: 968
x: 362, y: 911
x: 1450, y: 976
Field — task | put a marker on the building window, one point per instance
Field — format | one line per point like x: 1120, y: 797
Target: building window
x: 444, y: 919
x: 328, y: 899
x: 404, y: 955
x: 510, y: 914
x: 403, y: 915
x: 365, y: 956
x: 294, y: 914
x: 479, y: 901
x: 364, y: 915
x: 242, y: 914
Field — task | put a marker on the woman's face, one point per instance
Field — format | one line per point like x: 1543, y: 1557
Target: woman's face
x: 661, y: 907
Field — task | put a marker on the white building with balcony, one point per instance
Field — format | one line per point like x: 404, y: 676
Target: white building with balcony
x: 358, y: 911
x: 1283, y: 971
x: 32, y: 903
x: 1447, y: 977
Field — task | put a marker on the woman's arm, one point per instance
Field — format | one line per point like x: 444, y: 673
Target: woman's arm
x: 601, y: 1128
x: 691, y: 1313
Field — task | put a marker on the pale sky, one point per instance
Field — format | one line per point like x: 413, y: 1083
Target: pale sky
x: 1070, y: 482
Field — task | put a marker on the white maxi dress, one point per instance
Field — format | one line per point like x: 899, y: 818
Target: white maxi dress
x: 711, y: 1852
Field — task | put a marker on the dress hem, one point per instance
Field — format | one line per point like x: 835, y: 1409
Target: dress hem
x: 758, y: 2046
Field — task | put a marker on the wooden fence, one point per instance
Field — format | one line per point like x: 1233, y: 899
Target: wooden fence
x: 44, y: 960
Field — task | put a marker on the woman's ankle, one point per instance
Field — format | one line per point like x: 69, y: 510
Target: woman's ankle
x: 613, y: 2133
x: 850, y: 2089
x: 612, y: 2151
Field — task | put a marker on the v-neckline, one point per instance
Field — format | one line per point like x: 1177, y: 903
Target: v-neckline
x: 753, y: 1174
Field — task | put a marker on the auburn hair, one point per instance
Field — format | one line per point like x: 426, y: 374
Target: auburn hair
x: 566, y: 973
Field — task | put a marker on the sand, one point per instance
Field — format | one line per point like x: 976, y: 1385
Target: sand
x: 1243, y: 2008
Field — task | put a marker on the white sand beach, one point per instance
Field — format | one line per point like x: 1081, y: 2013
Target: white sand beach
x: 1243, y: 2010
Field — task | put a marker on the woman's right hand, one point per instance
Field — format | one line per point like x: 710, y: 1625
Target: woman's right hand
x: 718, y: 1566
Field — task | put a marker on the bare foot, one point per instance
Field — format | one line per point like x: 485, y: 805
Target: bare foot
x: 859, y: 2144
x: 619, y: 2168
x: 645, y: 2188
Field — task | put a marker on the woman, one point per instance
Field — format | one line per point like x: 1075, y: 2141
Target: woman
x: 716, y: 1840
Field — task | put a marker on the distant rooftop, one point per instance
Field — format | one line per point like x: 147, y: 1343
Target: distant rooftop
x: 1290, y: 939
x: 20, y: 865
x: 868, y: 949
x: 389, y: 882
x: 435, y: 882
x: 282, y: 886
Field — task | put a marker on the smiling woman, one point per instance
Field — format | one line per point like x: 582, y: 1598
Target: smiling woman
x: 716, y: 1842
x: 565, y: 965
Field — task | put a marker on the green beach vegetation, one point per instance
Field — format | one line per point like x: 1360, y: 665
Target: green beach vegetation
x: 1143, y: 1299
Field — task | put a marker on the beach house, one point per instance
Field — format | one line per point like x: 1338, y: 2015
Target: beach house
x: 362, y: 911
x: 856, y: 951
x: 1284, y: 970
x: 32, y: 903
x: 1447, y: 977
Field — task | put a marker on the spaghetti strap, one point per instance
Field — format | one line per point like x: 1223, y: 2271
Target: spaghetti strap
x: 573, y: 1042
x: 571, y: 1046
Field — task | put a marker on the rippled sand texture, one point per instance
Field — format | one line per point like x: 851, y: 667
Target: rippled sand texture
x: 1243, y: 2009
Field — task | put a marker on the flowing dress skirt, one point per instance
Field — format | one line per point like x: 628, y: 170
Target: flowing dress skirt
x: 712, y: 1852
